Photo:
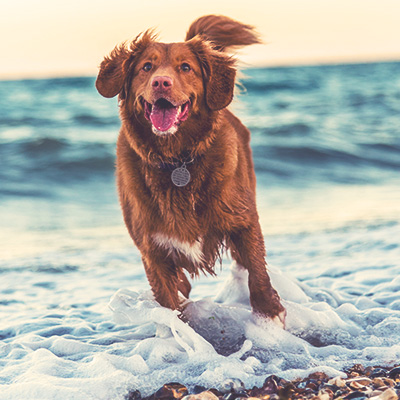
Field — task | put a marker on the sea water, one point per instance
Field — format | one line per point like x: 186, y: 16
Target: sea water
x: 77, y: 317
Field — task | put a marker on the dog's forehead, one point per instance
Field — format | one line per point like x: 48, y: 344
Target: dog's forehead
x: 172, y: 52
x: 179, y: 51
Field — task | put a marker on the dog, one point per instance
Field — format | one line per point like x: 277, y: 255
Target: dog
x: 184, y: 166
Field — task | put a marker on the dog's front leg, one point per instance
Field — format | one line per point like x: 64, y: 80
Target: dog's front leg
x: 163, y: 278
x: 248, y: 250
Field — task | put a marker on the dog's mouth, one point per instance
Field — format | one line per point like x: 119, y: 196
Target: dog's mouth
x: 165, y: 116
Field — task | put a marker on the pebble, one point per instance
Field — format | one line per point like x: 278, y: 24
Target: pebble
x: 171, y: 390
x: 361, y: 380
x: 338, y: 381
x: 388, y: 394
x: 232, y: 385
x: 355, y: 396
x: 236, y: 395
x: 394, y: 373
x: 207, y: 395
x: 370, y: 383
x: 378, y: 372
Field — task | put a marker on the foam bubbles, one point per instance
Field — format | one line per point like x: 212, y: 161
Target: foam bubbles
x: 70, y: 347
x: 224, y: 340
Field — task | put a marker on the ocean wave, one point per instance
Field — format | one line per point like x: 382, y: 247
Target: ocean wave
x: 325, y: 156
x: 95, y: 120
x: 9, y: 121
x: 75, y: 119
x: 58, y: 160
x: 291, y: 129
x: 41, y: 145
x: 55, y: 160
x: 287, y: 85
x: 334, y: 123
x: 309, y: 165
x: 57, y: 83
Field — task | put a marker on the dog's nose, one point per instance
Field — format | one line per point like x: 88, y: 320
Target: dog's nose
x: 161, y: 82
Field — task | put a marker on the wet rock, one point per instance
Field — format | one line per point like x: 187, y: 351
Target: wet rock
x: 338, y: 381
x: 368, y: 371
x: 216, y: 392
x: 269, y: 390
x: 378, y: 382
x: 388, y: 394
x: 357, y: 386
x: 318, y: 376
x: 198, y: 389
x: 321, y: 396
x: 362, y: 380
x: 374, y: 383
x: 236, y: 395
x: 360, y: 384
x: 271, y: 384
x: 357, y: 395
x: 312, y: 384
x: 358, y: 368
x: 171, y: 390
x: 342, y: 393
x: 375, y: 393
x: 394, y: 373
x: 285, y: 392
x: 325, y: 392
x: 378, y: 372
x: 302, y: 385
x: 327, y: 387
x: 389, y: 382
x: 232, y: 385
x: 206, y: 395
x: 134, y: 395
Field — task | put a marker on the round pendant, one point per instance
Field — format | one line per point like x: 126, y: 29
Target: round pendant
x: 180, y: 176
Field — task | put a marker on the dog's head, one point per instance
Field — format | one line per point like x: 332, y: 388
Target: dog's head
x: 164, y: 86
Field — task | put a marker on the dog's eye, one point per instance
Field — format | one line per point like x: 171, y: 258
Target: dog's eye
x: 185, y: 67
x: 147, y: 67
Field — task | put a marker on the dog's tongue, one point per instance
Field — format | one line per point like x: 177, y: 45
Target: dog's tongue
x: 163, y: 116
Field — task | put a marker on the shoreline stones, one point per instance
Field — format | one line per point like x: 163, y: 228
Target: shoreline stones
x: 370, y: 383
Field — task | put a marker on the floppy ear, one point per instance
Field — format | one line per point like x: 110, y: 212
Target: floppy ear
x: 113, y: 72
x: 114, y: 68
x: 218, y: 73
x: 221, y: 83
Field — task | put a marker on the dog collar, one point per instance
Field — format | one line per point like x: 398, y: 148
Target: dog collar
x: 186, y: 159
x: 180, y: 176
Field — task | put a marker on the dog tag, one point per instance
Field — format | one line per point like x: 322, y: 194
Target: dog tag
x: 180, y: 176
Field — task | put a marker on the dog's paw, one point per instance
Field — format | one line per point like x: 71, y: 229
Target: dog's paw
x: 280, y: 319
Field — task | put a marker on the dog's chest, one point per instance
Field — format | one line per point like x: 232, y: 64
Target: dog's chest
x: 193, y: 251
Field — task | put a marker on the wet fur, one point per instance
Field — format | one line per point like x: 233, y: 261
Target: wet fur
x: 218, y: 205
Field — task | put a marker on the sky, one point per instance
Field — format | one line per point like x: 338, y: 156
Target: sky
x: 41, y: 38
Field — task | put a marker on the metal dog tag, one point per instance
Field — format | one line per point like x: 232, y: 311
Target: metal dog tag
x: 180, y: 176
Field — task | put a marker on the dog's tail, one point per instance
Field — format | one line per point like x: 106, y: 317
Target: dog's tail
x: 223, y: 32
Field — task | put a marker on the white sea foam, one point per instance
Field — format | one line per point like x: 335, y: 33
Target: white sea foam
x: 82, y: 355
x: 61, y: 339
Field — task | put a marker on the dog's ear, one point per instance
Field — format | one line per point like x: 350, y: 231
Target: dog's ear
x: 113, y: 72
x: 221, y: 83
x: 115, y: 68
x: 218, y: 73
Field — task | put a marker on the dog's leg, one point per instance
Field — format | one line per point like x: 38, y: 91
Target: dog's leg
x: 164, y: 278
x: 248, y: 250
x: 183, y: 284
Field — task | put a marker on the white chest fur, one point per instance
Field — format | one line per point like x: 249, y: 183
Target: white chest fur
x: 192, y: 251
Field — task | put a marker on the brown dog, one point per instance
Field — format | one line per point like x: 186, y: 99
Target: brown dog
x: 184, y: 165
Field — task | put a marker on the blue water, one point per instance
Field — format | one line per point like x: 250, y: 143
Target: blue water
x: 326, y: 146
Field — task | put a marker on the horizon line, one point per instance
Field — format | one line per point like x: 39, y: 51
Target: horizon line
x: 242, y: 65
